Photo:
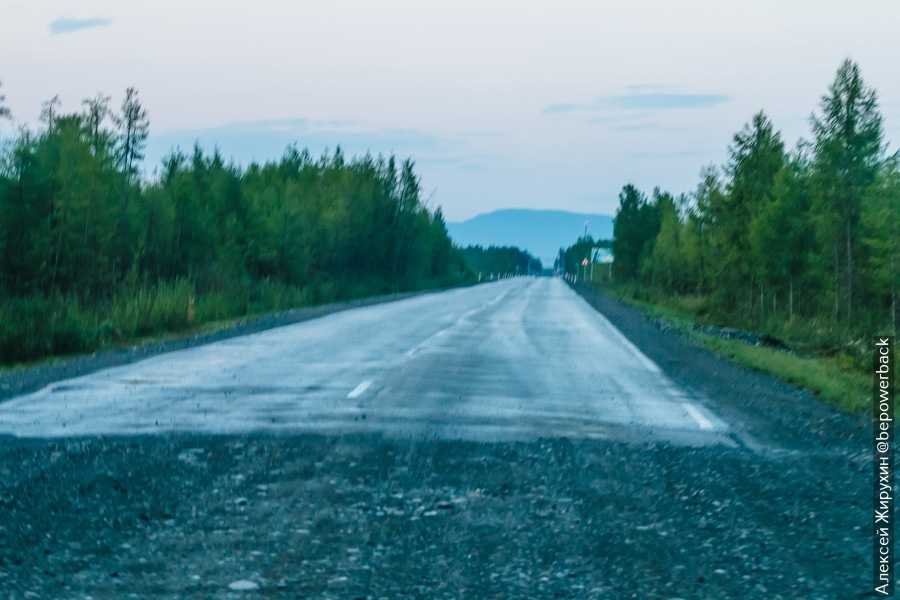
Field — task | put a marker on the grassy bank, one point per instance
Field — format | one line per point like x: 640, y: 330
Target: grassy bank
x: 815, y: 358
x: 39, y: 328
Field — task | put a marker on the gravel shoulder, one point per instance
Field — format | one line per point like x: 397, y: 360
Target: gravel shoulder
x: 367, y: 517
x: 783, y: 515
x: 765, y: 412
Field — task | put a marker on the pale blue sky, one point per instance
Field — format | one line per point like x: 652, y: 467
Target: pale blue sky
x: 502, y: 104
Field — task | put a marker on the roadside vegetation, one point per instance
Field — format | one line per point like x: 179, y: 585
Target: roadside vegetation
x: 496, y: 262
x: 801, y: 246
x: 93, y: 254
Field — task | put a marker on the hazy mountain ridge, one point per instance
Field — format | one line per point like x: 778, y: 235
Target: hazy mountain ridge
x: 541, y: 232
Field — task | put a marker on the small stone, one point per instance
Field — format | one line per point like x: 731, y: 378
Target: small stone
x: 243, y: 585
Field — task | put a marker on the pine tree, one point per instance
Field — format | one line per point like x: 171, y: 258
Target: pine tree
x: 848, y: 152
x: 756, y: 157
x: 630, y: 233
x: 96, y: 112
x: 4, y: 110
x: 133, y: 125
x: 880, y: 236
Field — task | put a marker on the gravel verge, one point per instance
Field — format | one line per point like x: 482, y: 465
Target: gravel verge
x: 367, y: 517
x: 763, y: 410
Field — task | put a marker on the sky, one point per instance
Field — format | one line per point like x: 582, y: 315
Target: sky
x: 503, y: 104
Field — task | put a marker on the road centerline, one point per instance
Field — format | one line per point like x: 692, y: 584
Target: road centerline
x: 358, y: 390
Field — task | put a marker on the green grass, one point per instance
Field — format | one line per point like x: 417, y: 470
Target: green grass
x: 835, y: 372
x: 672, y: 314
x: 848, y: 390
x: 41, y: 329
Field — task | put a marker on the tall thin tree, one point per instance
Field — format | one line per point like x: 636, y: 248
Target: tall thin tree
x: 133, y: 124
x: 847, y: 154
x: 4, y: 110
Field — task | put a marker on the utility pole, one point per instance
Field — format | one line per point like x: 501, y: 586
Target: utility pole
x: 592, y: 267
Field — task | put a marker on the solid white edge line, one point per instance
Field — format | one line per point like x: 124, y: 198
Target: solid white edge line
x: 692, y: 410
x: 635, y: 351
x: 360, y: 388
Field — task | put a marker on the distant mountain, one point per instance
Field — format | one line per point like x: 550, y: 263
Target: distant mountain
x: 541, y: 232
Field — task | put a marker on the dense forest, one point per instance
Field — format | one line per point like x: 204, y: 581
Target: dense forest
x: 496, y: 262
x: 800, y: 244
x: 571, y: 259
x: 92, y: 252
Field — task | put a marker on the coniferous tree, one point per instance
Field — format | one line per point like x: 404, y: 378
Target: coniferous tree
x: 880, y: 236
x: 4, y: 110
x: 133, y: 125
x: 847, y: 155
x: 96, y: 112
x: 756, y: 157
x: 50, y: 111
x: 630, y: 233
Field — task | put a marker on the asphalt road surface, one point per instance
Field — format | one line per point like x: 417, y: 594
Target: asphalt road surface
x: 503, y: 440
x: 522, y: 358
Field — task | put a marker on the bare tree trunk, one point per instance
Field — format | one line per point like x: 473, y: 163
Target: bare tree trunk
x: 791, y: 299
x: 59, y: 238
x: 893, y: 272
x: 849, y: 272
x: 762, y: 302
x: 837, y: 291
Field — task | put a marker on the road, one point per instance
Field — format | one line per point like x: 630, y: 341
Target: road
x: 498, y: 441
x: 516, y: 359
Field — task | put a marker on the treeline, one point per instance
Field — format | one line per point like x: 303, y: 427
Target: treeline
x: 499, y: 261
x: 92, y: 252
x: 571, y: 259
x: 776, y: 239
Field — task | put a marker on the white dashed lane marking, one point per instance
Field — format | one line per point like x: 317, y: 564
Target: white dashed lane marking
x: 362, y: 387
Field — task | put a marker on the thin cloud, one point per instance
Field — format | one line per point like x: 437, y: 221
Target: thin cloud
x: 553, y: 109
x: 675, y: 153
x: 648, y: 87
x: 667, y: 101
x: 480, y: 134
x: 641, y: 101
x: 64, y: 25
x: 638, y: 116
x: 639, y: 127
